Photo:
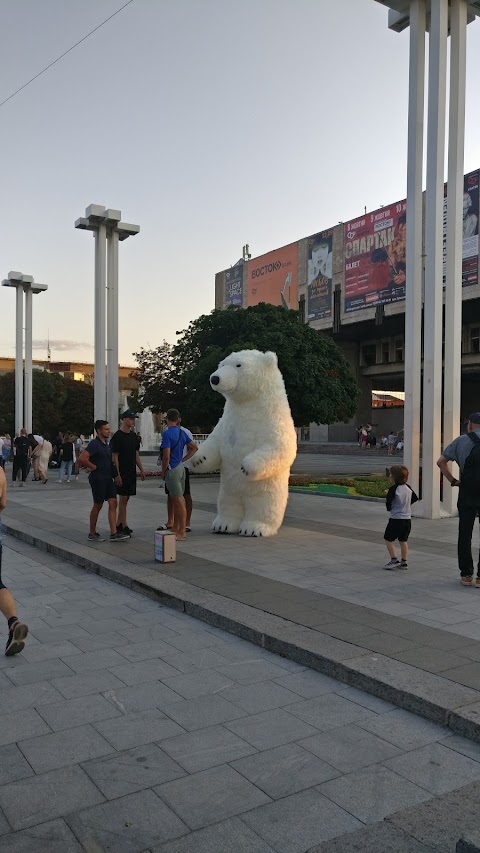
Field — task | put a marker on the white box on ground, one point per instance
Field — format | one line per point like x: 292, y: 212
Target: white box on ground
x: 165, y: 546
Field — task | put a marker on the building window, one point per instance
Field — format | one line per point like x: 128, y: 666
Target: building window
x: 301, y: 308
x: 369, y: 355
x: 475, y: 339
x: 399, y: 349
x: 385, y: 352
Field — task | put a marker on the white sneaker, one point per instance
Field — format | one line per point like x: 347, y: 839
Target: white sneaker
x: 68, y: 481
x: 58, y: 481
x: 393, y: 564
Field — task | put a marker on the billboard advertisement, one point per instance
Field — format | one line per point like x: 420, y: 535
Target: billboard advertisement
x: 273, y: 278
x: 470, y: 230
x: 234, y: 286
x: 319, y: 275
x: 375, y: 259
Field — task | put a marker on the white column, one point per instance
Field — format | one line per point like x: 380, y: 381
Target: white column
x: 28, y: 359
x: 19, y: 360
x: 413, y: 301
x: 432, y: 360
x: 100, y: 383
x: 112, y: 328
x: 453, y: 287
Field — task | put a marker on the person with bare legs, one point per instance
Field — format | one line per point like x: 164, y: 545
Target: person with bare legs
x: 174, y: 441
x: 17, y: 630
x: 97, y: 457
x: 186, y: 494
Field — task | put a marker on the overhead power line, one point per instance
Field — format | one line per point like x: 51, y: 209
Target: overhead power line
x: 102, y: 24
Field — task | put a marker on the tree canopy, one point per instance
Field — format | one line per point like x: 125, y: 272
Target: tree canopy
x: 58, y: 404
x: 319, y: 381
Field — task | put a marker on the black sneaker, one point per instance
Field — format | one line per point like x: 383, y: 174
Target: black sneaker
x: 95, y: 537
x: 118, y: 537
x: 16, y: 638
x: 127, y: 530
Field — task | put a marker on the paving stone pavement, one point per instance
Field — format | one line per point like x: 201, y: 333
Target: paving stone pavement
x: 165, y: 734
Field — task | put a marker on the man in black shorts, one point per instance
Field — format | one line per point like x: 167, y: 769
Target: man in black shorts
x: 17, y: 630
x: 126, y: 457
x: 97, y: 457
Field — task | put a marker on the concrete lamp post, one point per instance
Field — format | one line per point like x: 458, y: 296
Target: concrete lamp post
x: 441, y: 18
x: 25, y: 286
x: 108, y: 231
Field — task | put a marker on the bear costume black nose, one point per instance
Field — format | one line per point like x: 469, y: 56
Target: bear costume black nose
x: 214, y: 380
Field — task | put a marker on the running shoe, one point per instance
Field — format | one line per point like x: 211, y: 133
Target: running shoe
x: 16, y: 638
x: 466, y: 581
x: 95, y: 537
x: 118, y: 537
x: 392, y: 564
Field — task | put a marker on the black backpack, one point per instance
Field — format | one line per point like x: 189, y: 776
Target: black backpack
x: 470, y: 479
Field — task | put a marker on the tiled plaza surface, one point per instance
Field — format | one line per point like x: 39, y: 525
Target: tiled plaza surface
x: 128, y: 727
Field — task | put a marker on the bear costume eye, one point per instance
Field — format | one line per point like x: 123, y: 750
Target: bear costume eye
x: 238, y: 365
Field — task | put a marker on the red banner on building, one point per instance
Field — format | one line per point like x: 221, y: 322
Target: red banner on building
x: 375, y: 257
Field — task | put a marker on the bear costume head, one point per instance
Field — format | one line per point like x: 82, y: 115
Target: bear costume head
x: 247, y: 375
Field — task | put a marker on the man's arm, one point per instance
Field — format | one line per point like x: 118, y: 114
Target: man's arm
x: 139, y: 465
x: 84, y: 461
x: 3, y: 489
x: 118, y: 478
x: 165, y: 461
x: 192, y: 448
x: 443, y: 464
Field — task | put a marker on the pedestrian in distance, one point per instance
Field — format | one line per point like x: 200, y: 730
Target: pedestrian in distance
x: 400, y: 498
x: 186, y: 493
x: 65, y: 458
x: 78, y: 447
x: 17, y: 630
x: 174, y: 441
x: 97, y: 457
x: 465, y: 451
x: 126, y: 458
x: 391, y: 440
x: 44, y: 457
x: 21, y: 460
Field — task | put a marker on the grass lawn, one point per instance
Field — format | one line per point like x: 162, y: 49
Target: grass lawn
x: 371, y: 486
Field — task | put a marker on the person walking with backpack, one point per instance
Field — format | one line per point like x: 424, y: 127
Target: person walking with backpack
x: 465, y: 451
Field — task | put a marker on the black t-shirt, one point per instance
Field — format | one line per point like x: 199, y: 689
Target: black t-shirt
x: 67, y: 451
x: 126, y: 445
x: 21, y: 445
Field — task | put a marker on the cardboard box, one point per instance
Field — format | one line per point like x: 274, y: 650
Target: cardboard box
x: 165, y: 546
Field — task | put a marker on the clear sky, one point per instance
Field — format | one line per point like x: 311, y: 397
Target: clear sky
x: 210, y: 123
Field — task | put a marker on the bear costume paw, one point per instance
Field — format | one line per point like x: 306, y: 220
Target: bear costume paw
x: 252, y: 528
x: 222, y: 524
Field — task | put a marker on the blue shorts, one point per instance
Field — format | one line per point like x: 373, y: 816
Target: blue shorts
x: 103, y: 489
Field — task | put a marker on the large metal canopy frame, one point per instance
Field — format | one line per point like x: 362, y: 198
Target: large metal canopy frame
x: 108, y: 231
x: 25, y: 287
x: 441, y: 18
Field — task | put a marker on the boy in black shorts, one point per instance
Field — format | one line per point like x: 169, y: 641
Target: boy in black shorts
x: 126, y: 457
x: 400, y: 497
x: 97, y: 457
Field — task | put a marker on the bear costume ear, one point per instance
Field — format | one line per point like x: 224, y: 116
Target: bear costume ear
x: 271, y: 359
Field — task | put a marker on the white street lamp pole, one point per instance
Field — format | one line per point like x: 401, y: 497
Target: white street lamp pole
x: 432, y: 356
x: 100, y: 383
x: 453, y: 287
x: 413, y: 301
x: 112, y: 329
x: 28, y: 360
x: 19, y: 360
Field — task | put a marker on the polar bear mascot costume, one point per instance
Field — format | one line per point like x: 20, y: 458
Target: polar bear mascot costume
x: 253, y: 444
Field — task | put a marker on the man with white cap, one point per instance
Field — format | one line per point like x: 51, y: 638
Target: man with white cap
x: 465, y: 451
x: 125, y: 455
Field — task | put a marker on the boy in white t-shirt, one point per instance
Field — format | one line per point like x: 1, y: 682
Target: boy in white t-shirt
x: 400, y: 497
